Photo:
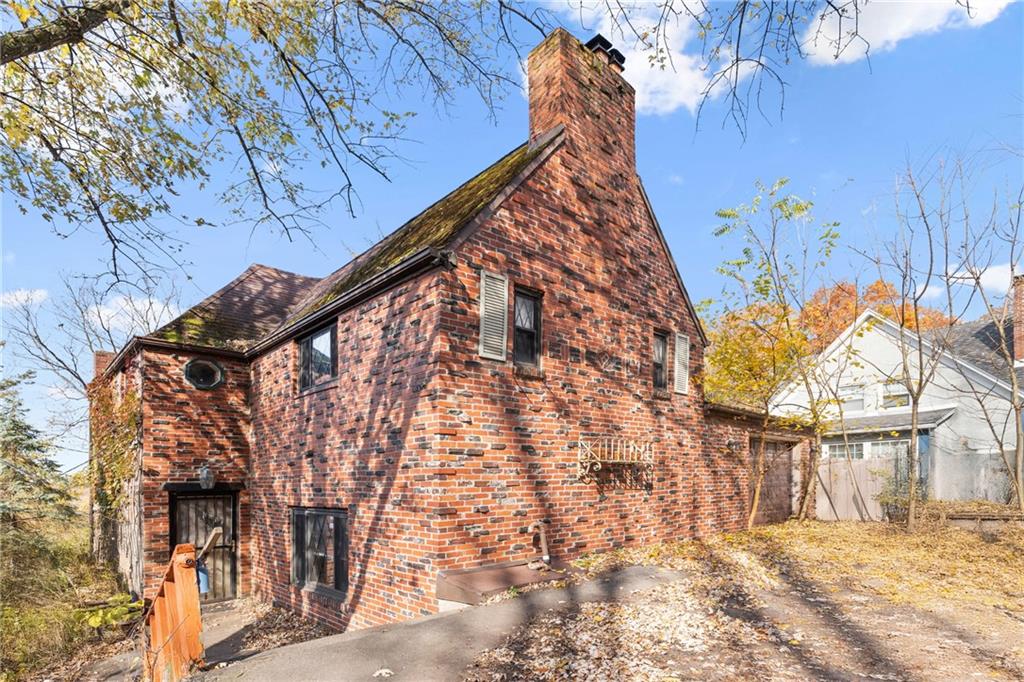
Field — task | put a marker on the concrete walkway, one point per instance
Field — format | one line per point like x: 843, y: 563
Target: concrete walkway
x: 435, y: 648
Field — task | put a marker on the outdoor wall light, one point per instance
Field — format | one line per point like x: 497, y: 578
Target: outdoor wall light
x: 732, y: 446
x: 206, y: 478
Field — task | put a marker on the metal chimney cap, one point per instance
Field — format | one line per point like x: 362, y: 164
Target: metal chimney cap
x: 598, y: 43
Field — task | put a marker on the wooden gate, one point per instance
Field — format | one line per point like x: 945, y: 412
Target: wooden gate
x: 193, y: 519
x: 848, y: 489
x: 776, y: 503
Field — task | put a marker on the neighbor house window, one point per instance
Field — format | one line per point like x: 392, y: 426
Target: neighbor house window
x: 852, y: 397
x: 320, y: 550
x: 660, y: 354
x: 890, y: 448
x: 895, y: 395
x: 318, y: 358
x: 526, y: 343
x: 838, y: 450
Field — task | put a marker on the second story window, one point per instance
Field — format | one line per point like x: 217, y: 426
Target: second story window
x: 852, y: 397
x: 895, y: 395
x: 660, y: 354
x: 318, y: 358
x: 526, y: 343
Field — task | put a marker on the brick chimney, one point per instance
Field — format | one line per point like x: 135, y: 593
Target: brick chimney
x: 1018, y: 319
x: 581, y: 87
x: 100, y: 361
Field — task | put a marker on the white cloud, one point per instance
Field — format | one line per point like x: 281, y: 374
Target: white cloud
x: 131, y: 315
x: 882, y: 25
x: 676, y: 179
x: 995, y: 279
x: 19, y: 297
x: 678, y: 82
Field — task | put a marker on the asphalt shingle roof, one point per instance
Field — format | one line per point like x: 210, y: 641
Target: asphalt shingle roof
x: 979, y: 343
x: 263, y: 299
x: 240, y: 313
x: 889, y: 422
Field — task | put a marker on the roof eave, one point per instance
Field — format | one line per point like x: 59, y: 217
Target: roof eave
x: 421, y: 261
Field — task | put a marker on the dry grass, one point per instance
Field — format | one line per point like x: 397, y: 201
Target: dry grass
x: 935, y: 563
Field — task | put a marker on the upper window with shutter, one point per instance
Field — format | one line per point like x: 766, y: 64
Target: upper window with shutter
x: 493, y: 315
x: 682, y: 364
x: 660, y: 356
x: 526, y: 342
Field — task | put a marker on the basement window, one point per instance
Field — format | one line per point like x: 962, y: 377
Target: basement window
x: 318, y: 358
x: 320, y: 550
x: 204, y: 374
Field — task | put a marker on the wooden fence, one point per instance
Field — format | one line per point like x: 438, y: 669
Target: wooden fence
x: 838, y: 483
x: 172, y: 645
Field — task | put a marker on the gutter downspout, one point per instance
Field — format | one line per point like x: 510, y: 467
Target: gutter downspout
x: 538, y: 527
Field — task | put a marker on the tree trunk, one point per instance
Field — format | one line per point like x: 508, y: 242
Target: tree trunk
x: 759, y: 473
x: 1018, y: 456
x: 810, y: 476
x: 912, y: 469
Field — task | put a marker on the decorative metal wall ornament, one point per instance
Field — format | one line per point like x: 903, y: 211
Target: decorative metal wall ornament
x: 594, y: 455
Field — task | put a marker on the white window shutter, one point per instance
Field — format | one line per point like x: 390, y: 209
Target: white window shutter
x: 493, y: 315
x: 682, y: 364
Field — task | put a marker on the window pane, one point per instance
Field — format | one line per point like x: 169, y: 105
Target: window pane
x: 838, y: 451
x: 660, y: 353
x: 526, y: 340
x: 525, y: 312
x: 317, y: 358
x: 320, y: 550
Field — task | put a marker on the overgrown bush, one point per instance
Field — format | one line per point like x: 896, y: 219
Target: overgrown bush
x: 45, y: 568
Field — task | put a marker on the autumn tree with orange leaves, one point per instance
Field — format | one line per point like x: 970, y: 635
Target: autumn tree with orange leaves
x: 830, y: 310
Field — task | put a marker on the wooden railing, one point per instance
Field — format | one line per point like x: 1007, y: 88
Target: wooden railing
x: 173, y: 622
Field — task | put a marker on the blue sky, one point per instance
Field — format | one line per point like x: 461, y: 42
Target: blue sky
x: 936, y: 85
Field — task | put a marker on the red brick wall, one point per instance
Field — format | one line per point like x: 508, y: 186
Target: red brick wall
x: 184, y: 428
x: 441, y: 458
x: 362, y: 444
x: 578, y: 230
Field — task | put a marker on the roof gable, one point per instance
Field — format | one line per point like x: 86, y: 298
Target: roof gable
x: 435, y: 227
x: 264, y: 301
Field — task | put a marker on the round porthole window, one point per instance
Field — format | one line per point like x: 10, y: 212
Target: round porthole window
x: 204, y: 374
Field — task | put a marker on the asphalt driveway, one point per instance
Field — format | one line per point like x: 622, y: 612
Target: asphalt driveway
x: 436, y: 648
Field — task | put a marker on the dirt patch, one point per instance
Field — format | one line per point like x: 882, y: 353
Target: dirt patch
x: 797, y: 601
x: 268, y: 627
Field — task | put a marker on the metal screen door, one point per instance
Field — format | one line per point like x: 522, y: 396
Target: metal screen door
x: 194, y: 518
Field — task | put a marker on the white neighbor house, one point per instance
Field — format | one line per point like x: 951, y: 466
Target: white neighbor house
x: 963, y: 408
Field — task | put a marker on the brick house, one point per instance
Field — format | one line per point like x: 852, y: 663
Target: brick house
x: 522, y: 355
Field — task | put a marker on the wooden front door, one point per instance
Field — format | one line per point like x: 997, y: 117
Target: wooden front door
x: 193, y: 518
x: 777, y: 490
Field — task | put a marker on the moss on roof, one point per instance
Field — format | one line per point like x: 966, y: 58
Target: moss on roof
x: 241, y: 312
x: 434, y: 227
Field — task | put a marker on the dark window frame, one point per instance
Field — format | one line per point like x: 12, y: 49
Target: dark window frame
x: 301, y: 552
x: 659, y: 379
x: 204, y: 361
x: 537, y: 333
x: 305, y: 345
